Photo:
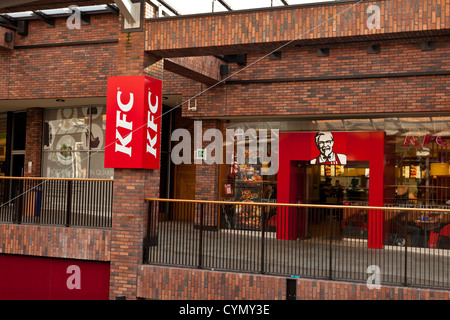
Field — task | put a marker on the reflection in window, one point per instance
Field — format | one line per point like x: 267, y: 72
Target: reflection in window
x: 417, y: 155
x: 73, y: 143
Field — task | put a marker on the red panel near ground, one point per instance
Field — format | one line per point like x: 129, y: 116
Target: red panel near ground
x: 36, y: 278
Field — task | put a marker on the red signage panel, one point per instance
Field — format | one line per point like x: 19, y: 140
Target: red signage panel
x: 333, y: 148
x: 38, y: 278
x: 133, y: 122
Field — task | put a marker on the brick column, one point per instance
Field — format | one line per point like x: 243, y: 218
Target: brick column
x: 207, y: 181
x: 33, y: 144
x: 131, y: 186
x: 207, y: 175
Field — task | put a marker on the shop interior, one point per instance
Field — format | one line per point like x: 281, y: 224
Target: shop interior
x: 334, y: 184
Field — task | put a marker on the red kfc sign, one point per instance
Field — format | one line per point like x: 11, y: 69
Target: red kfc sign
x: 133, y: 122
x: 411, y: 140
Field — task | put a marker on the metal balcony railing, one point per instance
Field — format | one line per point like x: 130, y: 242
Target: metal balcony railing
x: 311, y: 241
x: 53, y: 201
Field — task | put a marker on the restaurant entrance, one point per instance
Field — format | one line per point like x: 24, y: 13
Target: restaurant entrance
x: 335, y: 185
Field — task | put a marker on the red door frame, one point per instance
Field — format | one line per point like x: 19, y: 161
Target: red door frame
x: 358, y: 146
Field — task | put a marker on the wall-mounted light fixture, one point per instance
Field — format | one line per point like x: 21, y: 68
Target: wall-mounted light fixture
x: 374, y: 49
x: 8, y: 36
x: 323, y: 52
x: 192, y: 108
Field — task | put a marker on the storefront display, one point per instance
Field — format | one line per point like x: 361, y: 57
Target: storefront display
x: 73, y: 144
x: 248, y: 186
x: 245, y: 182
x: 378, y: 162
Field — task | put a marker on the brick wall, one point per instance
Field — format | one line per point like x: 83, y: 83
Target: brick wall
x: 202, y: 69
x: 349, y: 81
x: 33, y: 144
x: 166, y: 283
x: 187, y: 89
x: 129, y: 225
x: 102, y: 27
x: 395, y: 57
x: 131, y: 186
x: 42, y: 68
x: 206, y: 186
x: 331, y: 290
x: 59, y: 62
x: 79, y: 71
x: 260, y: 30
x: 55, y: 242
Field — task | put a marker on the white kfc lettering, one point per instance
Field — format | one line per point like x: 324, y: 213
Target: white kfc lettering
x: 151, y: 142
x: 121, y: 122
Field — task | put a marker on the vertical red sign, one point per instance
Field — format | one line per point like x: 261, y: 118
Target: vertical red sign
x: 133, y: 122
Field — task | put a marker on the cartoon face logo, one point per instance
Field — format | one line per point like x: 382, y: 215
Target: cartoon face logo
x: 325, y: 144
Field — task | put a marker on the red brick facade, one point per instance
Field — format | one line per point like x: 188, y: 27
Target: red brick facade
x: 129, y: 227
x: 131, y: 187
x: 165, y: 283
x: 56, y: 242
x: 263, y: 30
x: 58, y: 62
x: 202, y: 69
x: 55, y: 63
x: 33, y: 144
x: 350, y: 81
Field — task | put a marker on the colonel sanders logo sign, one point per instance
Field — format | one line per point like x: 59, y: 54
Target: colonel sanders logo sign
x: 325, y: 143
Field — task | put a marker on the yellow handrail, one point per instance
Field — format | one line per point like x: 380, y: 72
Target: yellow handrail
x: 301, y: 205
x: 48, y: 178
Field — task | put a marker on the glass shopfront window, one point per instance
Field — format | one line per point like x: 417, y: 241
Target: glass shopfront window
x: 73, y: 144
x: 416, y: 163
x: 243, y: 177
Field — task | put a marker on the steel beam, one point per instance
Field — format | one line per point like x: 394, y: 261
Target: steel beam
x: 128, y: 10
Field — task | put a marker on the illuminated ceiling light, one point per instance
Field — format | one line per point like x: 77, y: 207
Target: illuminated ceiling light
x: 439, y: 169
x: 424, y: 152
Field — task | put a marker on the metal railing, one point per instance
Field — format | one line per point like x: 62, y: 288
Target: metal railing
x: 326, y: 242
x: 55, y: 201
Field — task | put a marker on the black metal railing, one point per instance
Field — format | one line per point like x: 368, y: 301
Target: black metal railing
x: 312, y: 241
x: 53, y: 201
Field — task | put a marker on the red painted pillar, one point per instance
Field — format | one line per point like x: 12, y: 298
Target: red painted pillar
x: 288, y: 223
x: 287, y: 217
x: 376, y: 192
